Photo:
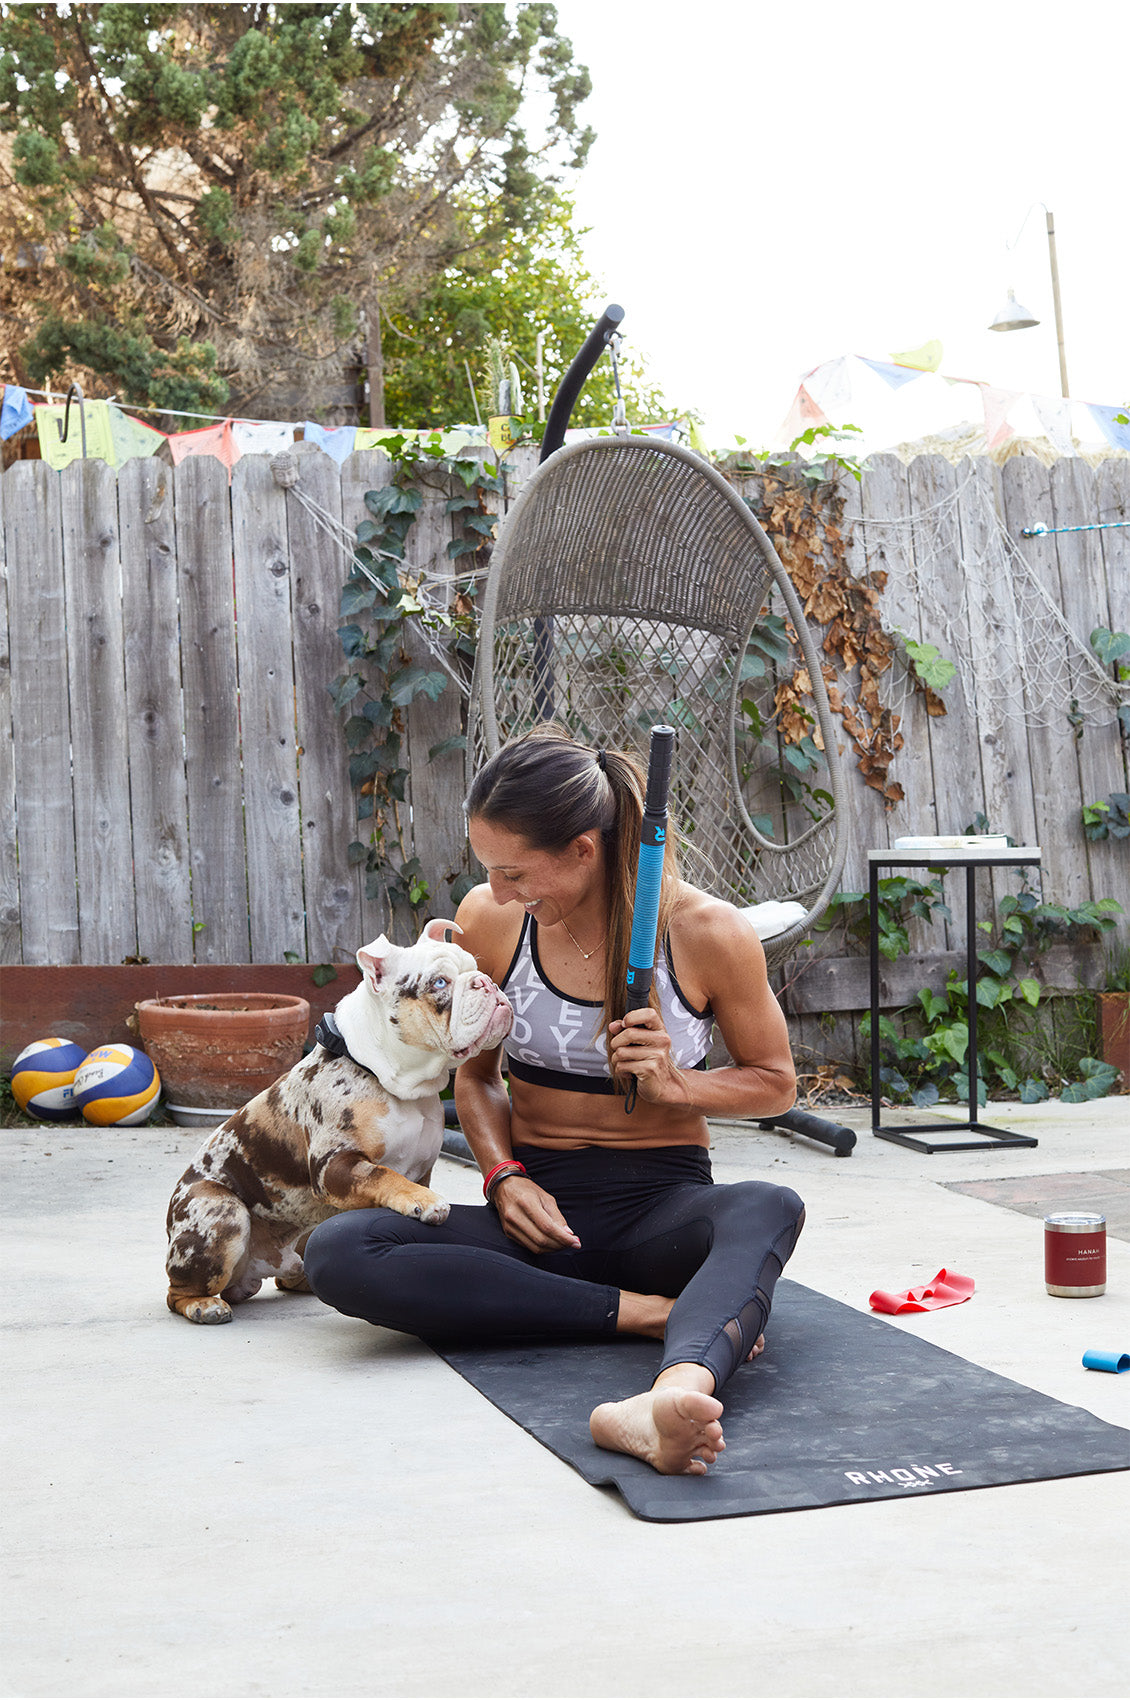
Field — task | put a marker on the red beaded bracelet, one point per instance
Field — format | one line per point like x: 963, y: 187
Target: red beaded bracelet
x: 510, y: 1166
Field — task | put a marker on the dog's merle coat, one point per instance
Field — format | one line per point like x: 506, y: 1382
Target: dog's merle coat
x: 336, y: 1133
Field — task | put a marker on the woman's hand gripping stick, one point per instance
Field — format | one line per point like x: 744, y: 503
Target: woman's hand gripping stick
x: 649, y: 879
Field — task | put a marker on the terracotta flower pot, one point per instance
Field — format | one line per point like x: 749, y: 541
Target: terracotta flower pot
x: 1114, y: 1032
x: 216, y: 1050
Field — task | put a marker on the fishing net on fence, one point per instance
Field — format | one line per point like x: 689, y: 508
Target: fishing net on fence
x: 990, y: 610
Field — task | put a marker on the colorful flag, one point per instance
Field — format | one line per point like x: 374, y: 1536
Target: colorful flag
x: 996, y: 404
x: 254, y: 437
x: 895, y: 376
x: 803, y: 413
x: 211, y: 440
x: 1106, y: 418
x: 1054, y: 414
x: 338, y: 441
x: 132, y: 438
x: 16, y: 412
x: 88, y: 433
x: 928, y: 358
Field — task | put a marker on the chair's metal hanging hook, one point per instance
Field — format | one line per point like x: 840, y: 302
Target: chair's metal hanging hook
x: 66, y: 425
x: 619, y: 412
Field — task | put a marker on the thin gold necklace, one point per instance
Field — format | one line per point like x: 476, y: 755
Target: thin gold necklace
x: 585, y: 953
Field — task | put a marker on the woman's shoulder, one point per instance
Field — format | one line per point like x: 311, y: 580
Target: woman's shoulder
x: 490, y: 929
x: 710, y: 933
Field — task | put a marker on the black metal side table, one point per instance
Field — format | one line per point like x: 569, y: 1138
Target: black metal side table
x: 1013, y: 856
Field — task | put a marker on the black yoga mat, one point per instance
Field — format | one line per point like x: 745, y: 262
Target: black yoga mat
x: 840, y: 1408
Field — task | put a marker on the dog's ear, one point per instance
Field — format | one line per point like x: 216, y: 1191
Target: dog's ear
x: 372, y: 961
x: 437, y: 931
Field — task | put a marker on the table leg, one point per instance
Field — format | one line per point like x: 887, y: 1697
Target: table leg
x: 971, y: 1066
x: 873, y: 909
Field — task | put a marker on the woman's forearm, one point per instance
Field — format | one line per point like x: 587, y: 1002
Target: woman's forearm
x: 484, y: 1116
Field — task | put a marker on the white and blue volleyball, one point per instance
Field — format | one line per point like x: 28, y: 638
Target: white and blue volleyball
x: 117, y: 1086
x: 43, y: 1079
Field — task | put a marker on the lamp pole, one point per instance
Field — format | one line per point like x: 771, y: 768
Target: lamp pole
x: 1014, y: 317
x: 1058, y: 307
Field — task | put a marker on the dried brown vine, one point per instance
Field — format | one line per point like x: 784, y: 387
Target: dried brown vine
x: 805, y: 524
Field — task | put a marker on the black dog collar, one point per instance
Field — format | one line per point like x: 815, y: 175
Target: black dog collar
x: 328, y: 1035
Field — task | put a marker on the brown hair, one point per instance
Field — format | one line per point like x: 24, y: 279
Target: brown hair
x: 549, y: 789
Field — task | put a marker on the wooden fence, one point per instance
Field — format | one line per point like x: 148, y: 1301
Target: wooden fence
x: 175, y: 783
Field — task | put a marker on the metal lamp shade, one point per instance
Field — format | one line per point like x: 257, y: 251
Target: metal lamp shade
x: 1013, y: 317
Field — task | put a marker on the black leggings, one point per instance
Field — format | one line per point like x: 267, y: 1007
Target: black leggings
x: 648, y: 1221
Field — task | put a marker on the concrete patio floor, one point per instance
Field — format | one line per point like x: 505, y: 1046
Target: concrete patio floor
x: 297, y: 1504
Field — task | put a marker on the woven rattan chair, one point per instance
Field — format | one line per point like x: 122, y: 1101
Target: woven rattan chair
x: 625, y: 588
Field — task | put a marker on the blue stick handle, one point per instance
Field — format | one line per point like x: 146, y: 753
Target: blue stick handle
x: 649, y: 878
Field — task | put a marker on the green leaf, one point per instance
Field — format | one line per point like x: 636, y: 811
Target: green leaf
x: 356, y: 853
x: 934, y: 1004
x: 931, y: 667
x: 356, y: 594
x: 412, y: 682
x: 1108, y: 645
x: 344, y: 690
x: 457, y: 741
x: 324, y: 973
x: 1033, y: 1091
x: 991, y: 992
x: 997, y: 961
x: 956, y: 1040
x: 1029, y: 990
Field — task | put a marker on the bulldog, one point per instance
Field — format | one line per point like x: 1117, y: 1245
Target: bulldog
x: 358, y: 1122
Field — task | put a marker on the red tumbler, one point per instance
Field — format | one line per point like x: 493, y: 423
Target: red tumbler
x: 1075, y: 1254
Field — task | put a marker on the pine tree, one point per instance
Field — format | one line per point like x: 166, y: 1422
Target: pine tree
x: 203, y: 206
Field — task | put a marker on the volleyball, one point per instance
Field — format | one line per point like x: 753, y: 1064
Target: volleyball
x: 43, y: 1079
x: 116, y: 1086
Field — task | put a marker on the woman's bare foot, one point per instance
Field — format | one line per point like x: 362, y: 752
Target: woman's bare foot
x: 674, y: 1429
x: 756, y: 1349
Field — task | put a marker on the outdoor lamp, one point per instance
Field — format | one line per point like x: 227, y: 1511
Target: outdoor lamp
x: 1014, y: 317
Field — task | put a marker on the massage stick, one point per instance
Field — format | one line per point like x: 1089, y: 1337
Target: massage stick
x: 649, y: 878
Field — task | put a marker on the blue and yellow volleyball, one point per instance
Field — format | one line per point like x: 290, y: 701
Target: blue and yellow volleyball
x: 117, y: 1086
x: 43, y: 1079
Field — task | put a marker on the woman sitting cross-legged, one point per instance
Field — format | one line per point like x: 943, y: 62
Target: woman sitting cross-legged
x: 597, y: 1221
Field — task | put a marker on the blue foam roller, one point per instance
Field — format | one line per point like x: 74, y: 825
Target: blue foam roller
x: 1116, y: 1362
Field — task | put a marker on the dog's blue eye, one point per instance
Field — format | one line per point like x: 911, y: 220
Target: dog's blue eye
x: 438, y: 983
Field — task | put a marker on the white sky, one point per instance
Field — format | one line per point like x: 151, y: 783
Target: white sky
x: 773, y: 185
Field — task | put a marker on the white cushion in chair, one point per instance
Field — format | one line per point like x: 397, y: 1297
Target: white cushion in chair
x: 769, y: 920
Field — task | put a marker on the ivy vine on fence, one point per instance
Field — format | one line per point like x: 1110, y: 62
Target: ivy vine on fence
x: 382, y: 600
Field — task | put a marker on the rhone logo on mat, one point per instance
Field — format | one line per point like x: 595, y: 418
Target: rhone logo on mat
x: 902, y: 1475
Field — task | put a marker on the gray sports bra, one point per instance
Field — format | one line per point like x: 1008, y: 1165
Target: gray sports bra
x: 554, y: 1040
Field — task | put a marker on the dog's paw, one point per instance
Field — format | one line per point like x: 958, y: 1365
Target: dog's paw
x: 435, y: 1212
x: 210, y: 1308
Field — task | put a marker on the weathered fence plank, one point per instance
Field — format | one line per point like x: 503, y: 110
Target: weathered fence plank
x: 211, y: 711
x: 96, y: 678
x: 869, y: 824
x: 1085, y: 602
x: 1055, y: 769
x: 154, y: 717
x: 10, y: 946
x: 438, y: 832
x: 367, y: 470
x: 993, y: 630
x: 320, y: 565
x: 276, y: 910
x: 954, y: 773
x: 41, y: 714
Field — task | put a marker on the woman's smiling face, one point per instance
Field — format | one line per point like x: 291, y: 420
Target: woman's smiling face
x: 548, y: 883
